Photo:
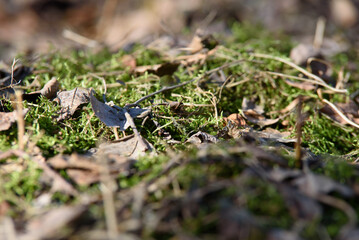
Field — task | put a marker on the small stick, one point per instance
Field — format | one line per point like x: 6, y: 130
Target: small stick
x: 298, y: 151
x: 12, y: 71
x: 116, y: 133
x: 20, y: 120
x: 108, y: 188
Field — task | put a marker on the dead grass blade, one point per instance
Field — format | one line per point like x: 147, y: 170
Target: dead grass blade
x: 317, y: 79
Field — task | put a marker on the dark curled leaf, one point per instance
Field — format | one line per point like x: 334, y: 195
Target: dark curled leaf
x: 114, y: 116
x: 202, y: 137
x: 70, y: 101
x: 108, y: 115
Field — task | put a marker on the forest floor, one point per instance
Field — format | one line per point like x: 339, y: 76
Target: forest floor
x: 242, y: 135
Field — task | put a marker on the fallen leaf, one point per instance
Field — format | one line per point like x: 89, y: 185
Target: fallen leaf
x: 167, y: 68
x: 349, y: 109
x: 256, y: 118
x: 46, y: 225
x: 293, y: 104
x: 235, y: 119
x: 114, y: 117
x: 129, y: 147
x: 8, y: 118
x: 86, y: 170
x: 70, y: 101
x: 129, y: 61
x: 253, y: 113
x: 302, y: 52
x: 199, y: 58
x: 273, y: 135
x: 49, y: 91
x: 201, y: 138
x: 51, y: 177
x: 202, y: 39
x: 313, y: 185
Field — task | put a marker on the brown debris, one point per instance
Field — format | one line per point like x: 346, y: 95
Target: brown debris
x: 349, y: 109
x: 114, y: 116
x: 70, y: 101
x: 85, y: 170
x: 8, y: 118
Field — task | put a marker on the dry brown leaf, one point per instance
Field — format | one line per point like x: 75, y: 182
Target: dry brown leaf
x: 202, y: 39
x: 49, y: 91
x: 46, y: 225
x: 70, y: 101
x: 313, y: 185
x: 129, y: 61
x: 201, y: 138
x: 8, y: 118
x: 200, y: 58
x: 162, y: 69
x: 51, y: 177
x: 256, y: 118
x: 292, y: 105
x: 86, y: 170
x: 196, y: 44
x: 301, y: 53
x: 274, y: 135
x: 129, y: 147
x: 236, y: 119
x: 253, y: 113
x: 350, y: 110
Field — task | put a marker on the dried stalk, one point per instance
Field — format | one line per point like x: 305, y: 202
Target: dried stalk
x: 20, y: 120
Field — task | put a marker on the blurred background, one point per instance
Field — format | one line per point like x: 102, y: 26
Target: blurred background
x: 32, y: 26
